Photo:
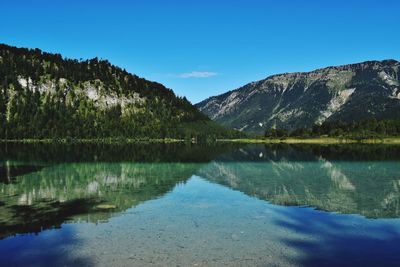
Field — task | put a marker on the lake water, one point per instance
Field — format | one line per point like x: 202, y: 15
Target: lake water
x: 190, y: 205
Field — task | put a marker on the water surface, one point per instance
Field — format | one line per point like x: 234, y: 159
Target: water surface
x: 169, y: 205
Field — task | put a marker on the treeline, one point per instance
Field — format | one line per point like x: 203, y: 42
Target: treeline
x: 43, y: 95
x: 118, y: 152
x: 370, y: 128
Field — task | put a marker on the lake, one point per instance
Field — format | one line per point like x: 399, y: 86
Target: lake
x: 192, y: 205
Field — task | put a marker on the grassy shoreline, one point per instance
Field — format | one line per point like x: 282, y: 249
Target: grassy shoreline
x: 316, y: 140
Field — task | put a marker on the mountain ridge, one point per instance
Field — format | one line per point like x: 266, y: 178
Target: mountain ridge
x: 280, y: 98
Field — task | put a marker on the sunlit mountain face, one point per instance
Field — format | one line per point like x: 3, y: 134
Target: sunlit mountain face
x: 290, y: 101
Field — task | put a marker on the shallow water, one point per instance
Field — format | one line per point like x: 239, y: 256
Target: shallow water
x: 175, y: 205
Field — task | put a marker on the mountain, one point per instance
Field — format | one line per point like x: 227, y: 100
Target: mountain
x: 295, y: 100
x: 44, y: 95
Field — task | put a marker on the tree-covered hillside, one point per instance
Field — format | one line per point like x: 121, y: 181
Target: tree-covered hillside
x: 44, y: 95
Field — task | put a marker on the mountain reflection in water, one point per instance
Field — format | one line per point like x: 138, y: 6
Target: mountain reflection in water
x: 51, y: 185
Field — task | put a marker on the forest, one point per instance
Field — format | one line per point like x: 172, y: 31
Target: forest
x: 369, y: 128
x: 44, y: 95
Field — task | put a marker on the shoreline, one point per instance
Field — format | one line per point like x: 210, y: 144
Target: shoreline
x: 288, y: 140
x: 316, y: 140
x: 91, y: 141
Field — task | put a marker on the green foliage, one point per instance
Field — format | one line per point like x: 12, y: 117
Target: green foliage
x: 276, y: 133
x: 64, y: 109
x: 371, y: 128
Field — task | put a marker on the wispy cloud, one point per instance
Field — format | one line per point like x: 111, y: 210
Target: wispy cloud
x: 198, y: 74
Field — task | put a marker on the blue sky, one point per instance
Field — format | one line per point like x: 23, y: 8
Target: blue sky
x: 207, y: 47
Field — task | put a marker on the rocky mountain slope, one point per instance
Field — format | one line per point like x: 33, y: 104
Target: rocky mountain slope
x: 294, y: 100
x: 44, y: 95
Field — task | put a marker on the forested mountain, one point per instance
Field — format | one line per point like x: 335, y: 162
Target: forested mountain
x: 355, y: 92
x: 44, y: 95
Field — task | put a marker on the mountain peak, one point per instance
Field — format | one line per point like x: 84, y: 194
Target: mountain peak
x: 349, y: 92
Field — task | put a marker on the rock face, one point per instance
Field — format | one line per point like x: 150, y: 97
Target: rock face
x: 293, y: 100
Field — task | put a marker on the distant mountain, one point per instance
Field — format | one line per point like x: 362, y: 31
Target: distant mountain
x: 44, y: 95
x: 294, y: 100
